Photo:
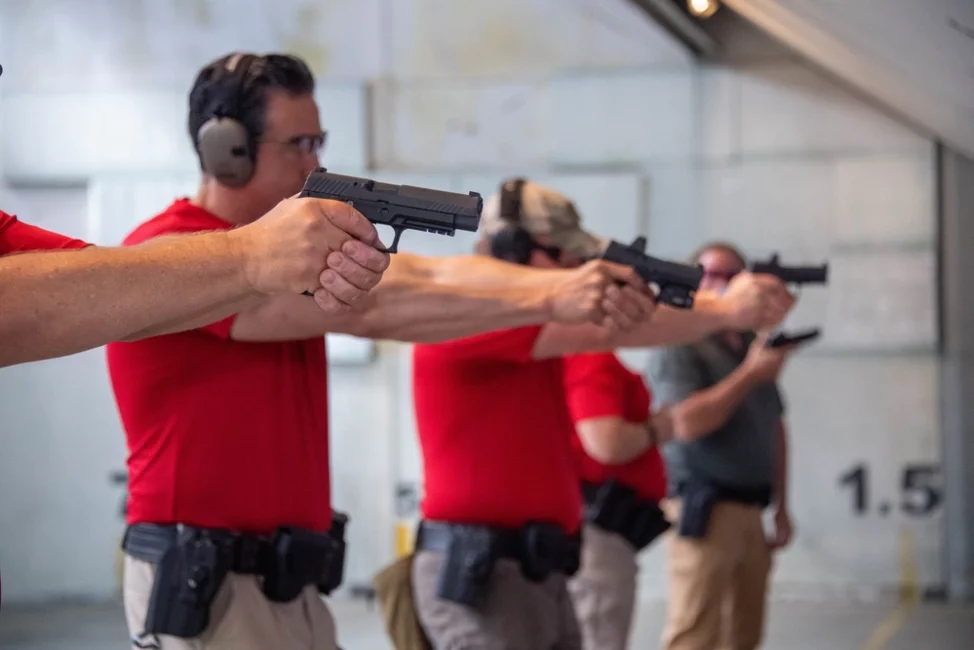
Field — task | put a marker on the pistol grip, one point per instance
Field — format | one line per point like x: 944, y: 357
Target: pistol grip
x: 392, y: 249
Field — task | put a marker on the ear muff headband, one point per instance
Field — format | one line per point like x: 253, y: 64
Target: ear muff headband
x: 512, y: 243
x: 225, y: 145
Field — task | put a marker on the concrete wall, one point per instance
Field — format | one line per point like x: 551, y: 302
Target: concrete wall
x: 587, y: 96
x: 915, y: 57
x: 958, y: 370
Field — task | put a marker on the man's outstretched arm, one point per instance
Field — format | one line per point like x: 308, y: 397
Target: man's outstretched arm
x: 422, y: 299
x: 58, y: 303
x: 752, y: 302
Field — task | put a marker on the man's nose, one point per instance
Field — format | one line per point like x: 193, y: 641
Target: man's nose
x: 310, y: 163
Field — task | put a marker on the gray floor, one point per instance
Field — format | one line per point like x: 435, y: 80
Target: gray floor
x: 792, y: 626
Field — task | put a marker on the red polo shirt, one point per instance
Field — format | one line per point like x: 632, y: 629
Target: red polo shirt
x: 222, y: 433
x: 599, y: 385
x: 18, y: 237
x: 495, y: 433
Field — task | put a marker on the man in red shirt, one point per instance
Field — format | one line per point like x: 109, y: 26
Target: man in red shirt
x: 58, y: 303
x: 231, y: 534
x: 502, y: 506
x: 623, y: 482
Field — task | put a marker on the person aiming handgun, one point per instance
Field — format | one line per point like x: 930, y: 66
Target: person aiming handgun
x: 62, y: 295
x: 727, y: 463
x: 230, y: 536
x: 502, y: 509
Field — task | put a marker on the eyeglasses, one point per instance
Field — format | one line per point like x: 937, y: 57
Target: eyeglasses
x: 304, y: 144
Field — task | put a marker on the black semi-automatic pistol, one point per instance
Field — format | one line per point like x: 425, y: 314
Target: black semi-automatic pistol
x: 677, y: 282
x: 793, y: 274
x: 402, y: 207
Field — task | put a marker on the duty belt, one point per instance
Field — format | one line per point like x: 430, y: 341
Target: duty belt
x: 191, y: 564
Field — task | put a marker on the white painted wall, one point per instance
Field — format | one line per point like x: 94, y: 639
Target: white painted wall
x: 585, y: 95
x: 915, y: 57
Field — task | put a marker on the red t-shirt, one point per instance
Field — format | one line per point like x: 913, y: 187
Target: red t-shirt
x: 599, y: 385
x: 18, y: 237
x: 222, y: 433
x: 495, y: 433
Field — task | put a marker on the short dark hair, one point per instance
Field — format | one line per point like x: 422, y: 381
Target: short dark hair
x: 722, y: 246
x: 220, y: 91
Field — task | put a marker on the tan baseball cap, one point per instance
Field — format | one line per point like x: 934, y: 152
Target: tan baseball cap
x: 546, y: 212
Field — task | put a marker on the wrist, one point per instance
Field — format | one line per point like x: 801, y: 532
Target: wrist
x: 240, y: 248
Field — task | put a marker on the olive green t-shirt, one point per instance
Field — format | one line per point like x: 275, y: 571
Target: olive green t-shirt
x: 739, y: 454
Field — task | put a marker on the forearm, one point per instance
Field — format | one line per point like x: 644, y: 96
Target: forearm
x: 673, y: 326
x: 705, y: 411
x: 418, y: 300
x: 781, y: 468
x: 668, y: 326
x: 59, y: 303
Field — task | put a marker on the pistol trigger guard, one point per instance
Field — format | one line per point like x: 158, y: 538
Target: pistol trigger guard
x: 395, y: 240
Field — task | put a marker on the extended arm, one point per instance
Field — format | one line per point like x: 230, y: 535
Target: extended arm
x: 58, y: 303
x: 750, y: 302
x: 424, y: 299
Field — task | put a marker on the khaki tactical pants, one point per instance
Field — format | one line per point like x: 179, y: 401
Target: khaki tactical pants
x: 241, y: 617
x: 518, y: 615
x: 718, y: 584
x: 604, y: 589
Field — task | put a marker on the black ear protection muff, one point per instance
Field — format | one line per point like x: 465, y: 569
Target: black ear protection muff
x: 226, y: 147
x: 512, y: 243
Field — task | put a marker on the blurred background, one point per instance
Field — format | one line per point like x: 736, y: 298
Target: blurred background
x: 823, y: 130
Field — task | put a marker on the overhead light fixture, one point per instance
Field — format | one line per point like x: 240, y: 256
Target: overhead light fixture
x: 703, y: 8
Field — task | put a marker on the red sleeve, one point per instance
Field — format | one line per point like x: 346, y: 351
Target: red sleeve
x: 514, y: 345
x: 595, y: 386
x: 18, y: 237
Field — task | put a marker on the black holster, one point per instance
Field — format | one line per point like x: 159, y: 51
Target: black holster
x: 470, y: 553
x: 699, y: 497
x: 301, y: 557
x: 468, y: 561
x: 696, y: 504
x: 187, y: 579
x: 617, y: 508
